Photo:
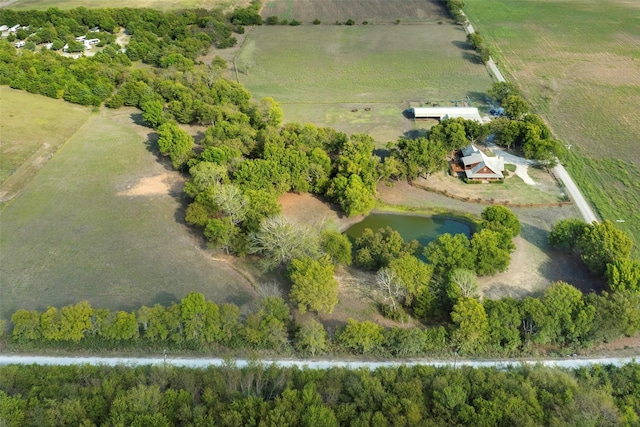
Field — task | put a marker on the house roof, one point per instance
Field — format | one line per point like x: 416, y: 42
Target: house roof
x: 479, y: 161
x: 441, y: 113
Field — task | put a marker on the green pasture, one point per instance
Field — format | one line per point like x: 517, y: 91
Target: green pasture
x: 73, y: 234
x: 152, y: 4
x: 32, y: 123
x: 578, y: 63
x: 321, y: 74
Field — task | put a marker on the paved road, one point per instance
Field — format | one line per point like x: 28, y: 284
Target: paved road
x: 311, y: 364
x: 576, y: 195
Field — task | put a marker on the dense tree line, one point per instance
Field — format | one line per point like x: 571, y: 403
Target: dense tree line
x: 270, y: 396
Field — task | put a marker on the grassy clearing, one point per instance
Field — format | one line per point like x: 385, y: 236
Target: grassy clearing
x: 25, y: 133
x: 94, y: 224
x: 372, y: 11
x: 321, y: 73
x: 579, y: 64
x: 152, y: 4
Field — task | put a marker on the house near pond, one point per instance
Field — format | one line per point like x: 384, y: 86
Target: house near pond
x: 473, y: 164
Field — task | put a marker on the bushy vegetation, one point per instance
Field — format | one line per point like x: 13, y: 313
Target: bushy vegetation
x: 272, y: 396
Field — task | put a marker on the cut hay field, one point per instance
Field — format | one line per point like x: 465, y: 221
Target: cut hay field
x: 152, y: 4
x: 321, y: 73
x: 28, y: 136
x: 102, y: 222
x: 578, y: 63
x: 372, y: 11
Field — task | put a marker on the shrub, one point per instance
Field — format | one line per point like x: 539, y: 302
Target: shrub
x: 350, y: 22
x: 316, y: 22
x: 396, y: 313
x: 272, y: 20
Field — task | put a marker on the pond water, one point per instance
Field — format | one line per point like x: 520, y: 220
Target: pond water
x: 424, y: 229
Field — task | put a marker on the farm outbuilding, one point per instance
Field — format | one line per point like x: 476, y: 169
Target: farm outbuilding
x: 441, y: 113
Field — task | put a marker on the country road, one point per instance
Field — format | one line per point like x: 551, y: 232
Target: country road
x: 569, y: 363
x: 562, y: 174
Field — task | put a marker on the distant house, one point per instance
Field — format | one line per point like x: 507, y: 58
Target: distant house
x: 95, y: 30
x: 441, y: 113
x: 81, y: 38
x: 4, y: 27
x: 478, y: 166
x: 90, y: 42
x: 19, y: 44
x: 14, y: 28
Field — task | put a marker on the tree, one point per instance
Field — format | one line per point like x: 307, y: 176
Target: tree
x: 153, y: 113
x: 501, y: 90
x: 490, y: 255
x: 450, y: 251
x: 413, y: 274
x: 500, y: 217
x: 314, y: 286
x: 352, y: 194
x: 420, y: 157
x: 337, y: 246
x: 624, y: 274
x: 572, y: 318
x: 472, y: 325
x: 121, y: 326
x: 200, y: 318
x: 376, y: 250
x: 515, y: 106
x: 26, y: 325
x: 462, y: 284
x: 175, y: 142
x: 230, y: 201
x: 505, y: 321
x: 389, y: 285
x: 311, y: 338
x: 602, y: 244
x: 566, y: 233
x: 362, y: 337
x: 279, y: 240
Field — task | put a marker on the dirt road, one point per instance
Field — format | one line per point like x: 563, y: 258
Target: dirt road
x: 576, y: 195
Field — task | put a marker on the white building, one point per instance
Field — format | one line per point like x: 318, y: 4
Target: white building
x: 20, y: 43
x: 14, y: 28
x: 441, y: 113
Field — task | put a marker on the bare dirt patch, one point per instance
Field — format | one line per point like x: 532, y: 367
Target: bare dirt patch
x: 312, y: 210
x: 157, y: 185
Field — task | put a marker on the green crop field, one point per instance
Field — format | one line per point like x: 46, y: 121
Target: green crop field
x: 321, y: 74
x: 578, y: 63
x: 153, y: 4
x: 372, y: 11
x: 102, y: 221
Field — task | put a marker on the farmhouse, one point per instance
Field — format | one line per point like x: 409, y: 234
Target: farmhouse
x: 441, y: 113
x: 4, y: 27
x: 90, y: 42
x: 19, y: 44
x: 476, y: 165
x: 14, y: 28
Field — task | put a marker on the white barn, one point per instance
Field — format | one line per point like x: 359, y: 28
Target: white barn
x: 441, y: 113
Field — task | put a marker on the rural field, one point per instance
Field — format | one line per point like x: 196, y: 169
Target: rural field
x: 20, y: 157
x: 102, y: 221
x: 361, y: 78
x: 578, y: 63
x: 153, y: 4
x: 372, y: 11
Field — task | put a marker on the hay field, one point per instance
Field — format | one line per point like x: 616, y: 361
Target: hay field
x: 372, y: 11
x: 152, y: 4
x: 28, y: 131
x: 321, y: 73
x: 102, y: 221
x: 578, y: 62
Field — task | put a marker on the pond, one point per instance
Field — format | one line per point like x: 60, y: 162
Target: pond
x: 424, y: 229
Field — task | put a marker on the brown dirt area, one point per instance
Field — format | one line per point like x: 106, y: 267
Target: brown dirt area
x: 157, y: 185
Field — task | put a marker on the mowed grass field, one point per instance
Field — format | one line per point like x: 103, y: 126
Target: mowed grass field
x: 320, y: 74
x: 152, y: 4
x: 101, y: 221
x: 32, y: 124
x: 372, y: 11
x: 578, y: 62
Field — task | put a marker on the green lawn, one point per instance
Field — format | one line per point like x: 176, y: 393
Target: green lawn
x: 74, y: 234
x: 153, y: 4
x: 578, y: 63
x: 321, y: 73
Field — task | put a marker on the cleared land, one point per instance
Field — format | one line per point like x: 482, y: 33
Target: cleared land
x: 31, y: 134
x: 579, y: 64
x: 102, y: 221
x: 152, y: 4
x: 372, y: 11
x: 321, y: 74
